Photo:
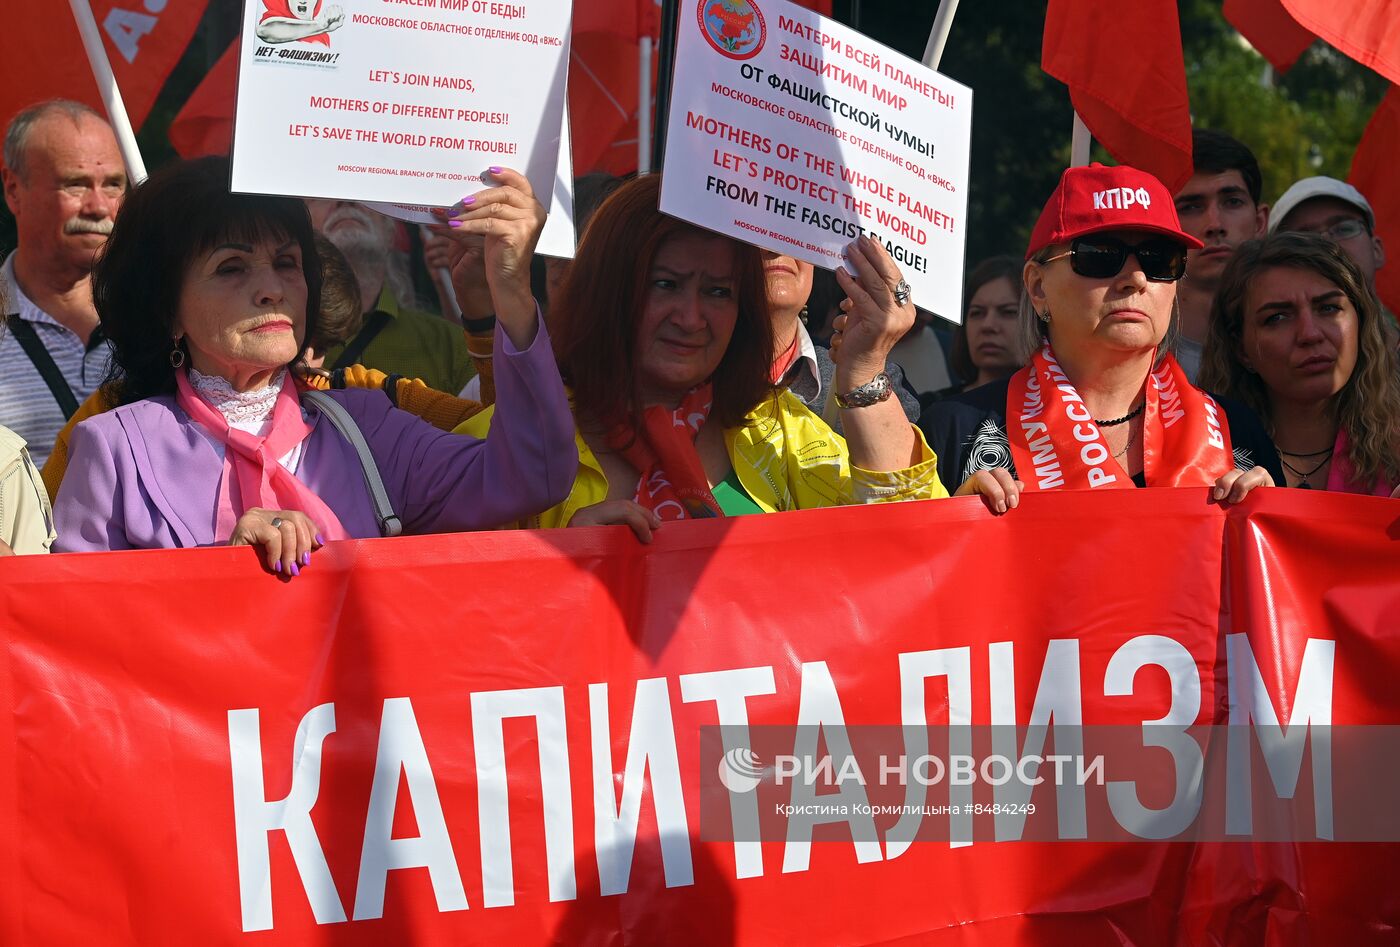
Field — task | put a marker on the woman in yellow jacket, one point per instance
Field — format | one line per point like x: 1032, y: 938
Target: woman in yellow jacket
x: 663, y: 334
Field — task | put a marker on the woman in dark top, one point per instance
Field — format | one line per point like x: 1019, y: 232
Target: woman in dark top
x: 1103, y: 403
x: 988, y: 345
x: 1297, y: 334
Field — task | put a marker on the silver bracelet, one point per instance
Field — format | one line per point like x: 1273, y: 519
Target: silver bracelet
x: 874, y: 391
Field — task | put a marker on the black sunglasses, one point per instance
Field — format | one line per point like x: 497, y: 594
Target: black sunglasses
x: 1100, y: 257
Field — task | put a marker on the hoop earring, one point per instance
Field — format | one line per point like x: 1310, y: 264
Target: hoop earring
x: 177, y: 356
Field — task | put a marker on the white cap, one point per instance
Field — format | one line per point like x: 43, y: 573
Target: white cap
x: 1309, y: 188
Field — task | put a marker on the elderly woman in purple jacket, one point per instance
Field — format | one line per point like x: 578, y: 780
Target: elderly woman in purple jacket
x: 208, y: 297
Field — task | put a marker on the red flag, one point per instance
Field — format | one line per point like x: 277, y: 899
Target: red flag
x: 1270, y: 29
x: 1365, y: 30
x: 44, y: 56
x: 603, y: 96
x: 1127, y: 79
x: 204, y: 126
x: 1373, y: 174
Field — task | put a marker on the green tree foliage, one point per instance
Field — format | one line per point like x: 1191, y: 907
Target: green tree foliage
x: 1304, y: 123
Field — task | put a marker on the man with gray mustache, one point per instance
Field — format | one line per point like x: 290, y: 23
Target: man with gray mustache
x: 64, y: 181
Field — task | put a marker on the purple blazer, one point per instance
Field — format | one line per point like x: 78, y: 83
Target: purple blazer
x: 142, y: 477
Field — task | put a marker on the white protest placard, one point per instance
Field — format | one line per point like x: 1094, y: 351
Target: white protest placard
x: 557, y: 237
x: 793, y: 132
x: 400, y: 102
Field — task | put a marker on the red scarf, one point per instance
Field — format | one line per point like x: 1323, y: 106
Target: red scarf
x: 1056, y: 444
x: 673, y: 484
x: 252, y: 462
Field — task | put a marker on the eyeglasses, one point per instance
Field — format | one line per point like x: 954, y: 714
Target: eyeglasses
x: 1098, y: 257
x: 1342, y: 229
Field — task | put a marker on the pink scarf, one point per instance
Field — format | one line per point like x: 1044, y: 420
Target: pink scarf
x: 1342, y: 476
x: 251, y: 462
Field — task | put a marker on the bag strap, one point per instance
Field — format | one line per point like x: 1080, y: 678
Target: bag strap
x: 389, y: 523
x: 29, y: 340
x: 356, y: 347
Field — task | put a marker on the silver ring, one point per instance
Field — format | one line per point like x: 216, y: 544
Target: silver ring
x: 901, y: 292
x: 276, y: 522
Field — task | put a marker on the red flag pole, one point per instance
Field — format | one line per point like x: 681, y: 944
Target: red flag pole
x: 938, y: 36
x: 107, y: 86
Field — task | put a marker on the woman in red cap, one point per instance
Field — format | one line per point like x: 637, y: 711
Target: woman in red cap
x: 1103, y: 403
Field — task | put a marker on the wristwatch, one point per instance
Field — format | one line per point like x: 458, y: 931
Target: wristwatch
x: 479, y: 326
x: 874, y: 391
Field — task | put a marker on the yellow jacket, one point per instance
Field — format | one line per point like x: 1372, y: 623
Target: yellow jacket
x: 786, y: 457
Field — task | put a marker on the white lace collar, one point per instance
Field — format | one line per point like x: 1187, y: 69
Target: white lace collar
x: 239, y: 407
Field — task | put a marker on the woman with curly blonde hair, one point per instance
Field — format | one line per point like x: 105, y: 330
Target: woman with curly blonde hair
x: 1296, y: 333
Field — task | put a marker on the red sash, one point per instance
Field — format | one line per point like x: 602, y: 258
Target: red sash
x: 673, y: 483
x: 1056, y: 444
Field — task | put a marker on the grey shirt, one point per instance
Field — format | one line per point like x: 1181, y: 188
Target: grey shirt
x: 27, y: 406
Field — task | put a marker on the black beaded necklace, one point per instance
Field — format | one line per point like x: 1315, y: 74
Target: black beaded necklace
x: 1124, y: 419
x: 1301, y: 475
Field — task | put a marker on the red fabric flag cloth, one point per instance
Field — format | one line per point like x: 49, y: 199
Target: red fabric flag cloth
x: 1270, y: 29
x: 1365, y: 30
x: 1373, y: 174
x: 1127, y: 79
x: 603, y: 97
x: 44, y: 57
x: 204, y: 126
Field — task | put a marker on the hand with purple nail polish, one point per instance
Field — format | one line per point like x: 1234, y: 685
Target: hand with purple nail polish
x: 494, y: 233
x: 287, y: 538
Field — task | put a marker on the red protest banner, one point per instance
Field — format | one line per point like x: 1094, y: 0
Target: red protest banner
x: 44, y: 57
x: 494, y: 737
x: 1127, y: 79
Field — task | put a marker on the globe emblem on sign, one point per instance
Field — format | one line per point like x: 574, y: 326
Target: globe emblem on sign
x: 740, y: 770
x: 734, y: 28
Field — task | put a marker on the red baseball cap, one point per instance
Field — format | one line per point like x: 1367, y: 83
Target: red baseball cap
x: 1097, y: 198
